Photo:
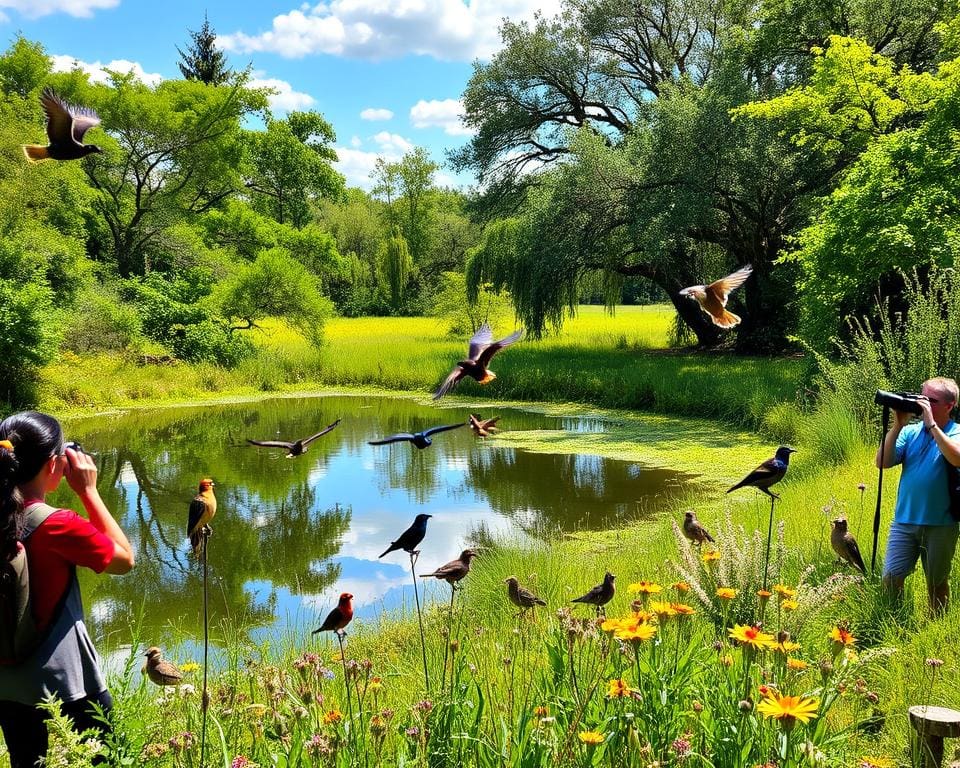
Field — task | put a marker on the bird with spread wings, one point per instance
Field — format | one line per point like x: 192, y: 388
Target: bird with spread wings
x: 296, y: 448
x: 480, y: 353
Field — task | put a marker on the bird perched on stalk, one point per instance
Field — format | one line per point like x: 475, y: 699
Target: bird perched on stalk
x: 202, y: 509
x: 66, y: 126
x: 483, y: 427
x: 845, y: 545
x: 712, y: 298
x: 480, y: 353
x: 159, y: 671
x: 768, y: 473
x: 693, y: 529
x: 420, y: 440
x: 296, y: 448
x: 339, y: 617
x: 454, y: 571
x: 408, y: 540
x: 521, y: 597
x: 600, y: 595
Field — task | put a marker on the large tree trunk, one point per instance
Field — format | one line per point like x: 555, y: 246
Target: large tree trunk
x: 769, y: 301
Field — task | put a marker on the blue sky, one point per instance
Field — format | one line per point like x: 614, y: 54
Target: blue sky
x: 388, y: 74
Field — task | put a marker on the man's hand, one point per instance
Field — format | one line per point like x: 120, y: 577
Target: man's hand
x: 903, y: 418
x: 926, y: 414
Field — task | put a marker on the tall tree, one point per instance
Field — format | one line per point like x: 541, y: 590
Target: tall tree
x: 202, y: 60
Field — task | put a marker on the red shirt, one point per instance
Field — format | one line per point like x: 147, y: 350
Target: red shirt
x: 62, y: 540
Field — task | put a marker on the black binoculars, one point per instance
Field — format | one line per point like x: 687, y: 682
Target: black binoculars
x: 905, y: 402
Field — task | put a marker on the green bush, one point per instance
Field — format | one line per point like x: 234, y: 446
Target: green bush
x: 209, y: 341
x: 28, y: 336
x: 102, y: 323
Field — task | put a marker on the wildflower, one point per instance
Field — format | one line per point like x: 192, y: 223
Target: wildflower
x: 644, y: 588
x: 789, y: 605
x: 591, y: 738
x: 681, y: 748
x: 375, y: 684
x: 826, y: 669
x: 643, y: 616
x: 181, y: 742
x: 240, y: 761
x: 424, y: 706
x: 378, y: 726
x: 617, y: 689
x: 412, y: 732
x: 332, y: 717
x: 541, y: 712
x: 636, y: 633
x: 861, y: 487
x: 872, y: 697
x: 726, y: 593
x: 611, y: 625
x: 680, y: 586
x: 662, y: 610
x: 155, y: 750
x: 751, y: 637
x: 788, y: 709
x: 934, y: 663
x: 783, y: 591
x: 842, y: 638
x: 682, y: 609
x: 188, y: 667
x: 797, y: 665
x: 745, y: 705
x: 317, y: 746
x: 875, y: 762
x: 764, y: 595
x: 726, y: 660
x: 786, y: 646
x: 710, y: 557
x: 697, y: 706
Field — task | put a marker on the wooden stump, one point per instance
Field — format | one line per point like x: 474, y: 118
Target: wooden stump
x: 933, y: 725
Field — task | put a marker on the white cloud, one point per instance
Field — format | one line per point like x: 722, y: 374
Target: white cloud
x: 451, y: 30
x: 34, y: 9
x: 356, y: 165
x: 445, y: 113
x: 372, y: 113
x: 97, y: 72
x: 392, y: 144
x: 356, y: 142
x: 284, y: 98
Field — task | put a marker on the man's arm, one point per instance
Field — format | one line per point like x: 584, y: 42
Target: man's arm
x: 890, y: 441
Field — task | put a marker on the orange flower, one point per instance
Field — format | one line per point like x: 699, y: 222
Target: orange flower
x: 764, y: 595
x: 751, y: 637
x: 788, y: 709
x: 797, y: 665
x: 680, y: 586
x: 643, y: 616
x: 726, y: 593
x: 682, y: 609
x: 617, y: 689
x: 644, y: 588
x: 842, y: 638
x: 333, y: 716
x: 636, y: 632
x: 590, y: 738
x: 541, y: 711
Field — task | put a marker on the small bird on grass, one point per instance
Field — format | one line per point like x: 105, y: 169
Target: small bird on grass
x: 202, y: 509
x: 768, y: 473
x: 296, y: 448
x: 845, y: 545
x: 454, y: 571
x: 419, y: 439
x: 159, y: 671
x: 339, y: 617
x: 408, y: 540
x: 66, y: 126
x: 483, y: 427
x: 481, y: 352
x: 713, y: 298
x: 600, y: 595
x: 693, y: 529
x: 521, y: 597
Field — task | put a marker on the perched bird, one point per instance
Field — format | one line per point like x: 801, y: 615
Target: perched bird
x: 408, y: 540
x: 455, y: 570
x: 601, y: 594
x: 520, y: 597
x: 159, y: 671
x: 693, y: 529
x: 294, y: 449
x: 339, y: 617
x: 768, y: 473
x: 713, y: 298
x: 419, y: 439
x: 483, y: 427
x: 65, y: 128
x: 845, y: 545
x: 481, y: 351
x: 202, y: 509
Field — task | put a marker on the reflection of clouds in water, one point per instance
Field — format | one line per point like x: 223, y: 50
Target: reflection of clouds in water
x: 317, y: 473
x: 457, y: 464
x: 104, y: 610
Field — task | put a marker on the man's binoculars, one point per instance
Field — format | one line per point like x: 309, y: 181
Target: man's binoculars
x: 905, y: 402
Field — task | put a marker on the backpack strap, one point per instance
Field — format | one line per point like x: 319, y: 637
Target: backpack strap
x: 33, y: 517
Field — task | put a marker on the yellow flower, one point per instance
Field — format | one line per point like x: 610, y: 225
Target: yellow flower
x: 680, y: 586
x: 541, y: 711
x: 682, y: 609
x: 788, y: 709
x: 726, y: 593
x: 611, y: 625
x: 636, y: 632
x: 644, y: 588
x: 710, y: 557
x: 789, y: 605
x: 764, y: 595
x: 875, y: 762
x: 333, y: 716
x: 785, y: 647
x: 644, y: 616
x: 190, y: 666
x: 797, y: 665
x: 591, y: 738
x: 784, y: 592
x: 663, y: 610
x: 751, y: 637
x: 726, y: 660
x: 841, y: 637
x: 617, y: 689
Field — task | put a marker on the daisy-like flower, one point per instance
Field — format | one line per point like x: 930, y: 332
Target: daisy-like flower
x: 643, y: 616
x: 764, y: 595
x: 190, y: 666
x: 726, y: 593
x: 682, y: 609
x: 680, y: 586
x: 541, y: 711
x: 710, y: 557
x: 612, y: 625
x: 617, y: 689
x: 841, y: 638
x: 644, y: 588
x: 751, y: 637
x: 784, y: 592
x: 333, y: 716
x: 875, y: 762
x: 591, y: 738
x: 797, y: 665
x: 788, y: 709
x: 636, y: 632
x: 785, y: 646
x: 789, y: 605
x: 662, y: 610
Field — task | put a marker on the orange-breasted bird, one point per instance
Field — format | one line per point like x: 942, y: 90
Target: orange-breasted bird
x: 483, y: 427
x: 159, y: 671
x: 66, y: 126
x: 202, y: 509
x: 339, y: 617
x: 455, y: 570
x: 845, y: 545
x: 693, y: 529
x: 481, y: 352
x: 713, y: 298
x: 296, y: 448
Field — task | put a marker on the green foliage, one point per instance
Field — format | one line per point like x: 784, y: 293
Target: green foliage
x: 208, y: 341
x: 101, y: 322
x: 67, y: 748
x: 28, y: 334
x: 396, y: 265
x: 463, y: 315
x: 202, y: 60
x: 23, y: 68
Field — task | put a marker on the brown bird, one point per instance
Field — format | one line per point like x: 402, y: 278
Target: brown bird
x: 845, y: 545
x: 600, y: 595
x: 66, y: 126
x: 483, y: 427
x: 455, y: 570
x: 297, y: 448
x: 339, y: 617
x: 481, y: 352
x: 202, y: 509
x: 694, y: 530
x: 520, y: 597
x: 159, y: 671
x: 713, y: 298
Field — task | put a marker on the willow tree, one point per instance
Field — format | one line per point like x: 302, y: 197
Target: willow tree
x: 397, y: 266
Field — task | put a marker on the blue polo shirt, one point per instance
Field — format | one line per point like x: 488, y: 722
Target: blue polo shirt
x: 922, y: 498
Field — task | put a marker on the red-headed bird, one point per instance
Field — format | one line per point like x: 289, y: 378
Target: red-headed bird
x: 481, y: 352
x: 339, y: 617
x: 202, y: 509
x: 713, y: 298
x: 66, y: 126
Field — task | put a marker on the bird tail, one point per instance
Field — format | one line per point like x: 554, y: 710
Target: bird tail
x: 317, y: 630
x: 198, y: 544
x: 709, y: 537
x: 734, y: 487
x: 488, y: 378
x: 540, y: 601
x: 388, y: 550
x: 727, y: 319
x: 34, y: 152
x: 427, y: 575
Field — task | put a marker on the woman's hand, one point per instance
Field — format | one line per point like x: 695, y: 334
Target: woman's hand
x: 80, y: 472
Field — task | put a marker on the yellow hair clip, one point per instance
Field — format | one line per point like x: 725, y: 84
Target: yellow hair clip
x: 6, y: 444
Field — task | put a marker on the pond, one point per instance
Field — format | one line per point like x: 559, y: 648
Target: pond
x: 291, y: 534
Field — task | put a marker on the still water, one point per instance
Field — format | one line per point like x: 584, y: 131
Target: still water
x: 291, y: 534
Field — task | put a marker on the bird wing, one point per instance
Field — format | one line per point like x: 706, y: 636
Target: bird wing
x: 434, y: 430
x: 197, y: 508
x: 83, y: 120
x: 487, y: 354
x: 528, y: 596
x: 59, y: 119
x: 592, y: 595
x: 392, y: 439
x: 167, y: 669
x: 769, y: 469
x: 721, y: 288
x: 448, y: 383
x: 333, y: 618
x: 479, y: 341
x: 446, y: 569
x: 855, y: 557
x: 271, y: 443
x: 321, y: 433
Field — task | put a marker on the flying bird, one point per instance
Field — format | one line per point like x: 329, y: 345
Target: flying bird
x: 600, y: 595
x: 521, y: 597
x: 455, y: 570
x: 481, y: 352
x: 768, y: 473
x: 483, y: 427
x: 713, y: 298
x: 693, y: 529
x: 845, y: 545
x: 339, y: 617
x: 297, y: 448
x: 408, y: 540
x: 159, y: 671
x: 419, y: 439
x: 66, y: 126
x: 202, y: 509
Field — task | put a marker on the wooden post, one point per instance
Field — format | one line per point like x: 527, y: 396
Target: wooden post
x: 933, y: 725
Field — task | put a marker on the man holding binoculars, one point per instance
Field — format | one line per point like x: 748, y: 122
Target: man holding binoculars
x: 923, y: 527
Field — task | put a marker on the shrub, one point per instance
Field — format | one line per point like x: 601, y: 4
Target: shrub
x: 101, y: 322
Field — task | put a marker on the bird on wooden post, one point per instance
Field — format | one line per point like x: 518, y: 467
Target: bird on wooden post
x: 202, y: 509
x: 339, y: 617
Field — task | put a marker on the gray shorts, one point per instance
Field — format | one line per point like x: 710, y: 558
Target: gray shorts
x: 933, y: 545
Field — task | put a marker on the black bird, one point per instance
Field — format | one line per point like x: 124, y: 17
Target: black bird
x: 481, y: 352
x: 768, y: 473
x: 294, y: 449
x: 419, y: 439
x: 600, y: 595
x: 408, y: 540
x: 66, y: 126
